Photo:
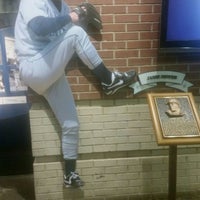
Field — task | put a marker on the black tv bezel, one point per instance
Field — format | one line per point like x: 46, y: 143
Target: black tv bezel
x: 179, y: 46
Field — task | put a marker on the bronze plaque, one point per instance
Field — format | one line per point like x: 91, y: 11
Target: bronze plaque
x: 175, y: 118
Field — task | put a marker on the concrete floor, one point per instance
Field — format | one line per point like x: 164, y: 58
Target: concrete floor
x: 19, y: 187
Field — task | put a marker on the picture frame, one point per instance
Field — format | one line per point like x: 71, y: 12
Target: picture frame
x: 175, y: 118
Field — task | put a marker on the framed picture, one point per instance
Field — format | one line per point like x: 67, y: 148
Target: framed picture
x: 175, y: 118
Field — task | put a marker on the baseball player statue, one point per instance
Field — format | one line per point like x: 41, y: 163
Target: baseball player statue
x: 47, y: 34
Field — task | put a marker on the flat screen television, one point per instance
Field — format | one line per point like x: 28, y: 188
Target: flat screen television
x: 180, y: 26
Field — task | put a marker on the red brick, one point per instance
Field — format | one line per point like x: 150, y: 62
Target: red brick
x: 80, y: 88
x: 139, y: 61
x: 114, y: 28
x: 150, y: 1
x: 106, y: 54
x: 129, y: 40
x: 140, y: 9
x: 126, y: 2
x: 148, y: 35
x: 157, y: 9
x: 101, y: 2
x: 115, y: 63
x: 127, y: 36
x: 73, y: 2
x: 113, y: 45
x: 107, y: 37
x: 126, y: 18
x: 107, y: 18
x: 126, y: 53
x: 149, y: 53
x: 113, y: 9
x: 139, y: 27
x: 138, y: 44
x: 144, y: 69
x: 150, y: 17
x: 74, y: 72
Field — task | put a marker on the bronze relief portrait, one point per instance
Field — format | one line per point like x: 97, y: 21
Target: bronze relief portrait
x: 175, y: 118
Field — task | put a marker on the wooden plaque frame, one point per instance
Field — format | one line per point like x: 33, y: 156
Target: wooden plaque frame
x: 175, y: 118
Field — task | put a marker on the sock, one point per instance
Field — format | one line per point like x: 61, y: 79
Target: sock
x: 103, y: 74
x: 70, y: 166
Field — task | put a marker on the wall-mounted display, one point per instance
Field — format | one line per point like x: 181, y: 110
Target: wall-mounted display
x: 180, y: 30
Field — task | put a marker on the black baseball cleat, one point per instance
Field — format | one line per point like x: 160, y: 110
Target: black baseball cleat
x: 119, y: 80
x: 73, y: 180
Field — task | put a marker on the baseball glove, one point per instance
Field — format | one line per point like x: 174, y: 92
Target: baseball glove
x: 88, y: 16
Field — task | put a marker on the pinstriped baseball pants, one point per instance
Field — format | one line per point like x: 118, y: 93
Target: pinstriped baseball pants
x: 45, y: 74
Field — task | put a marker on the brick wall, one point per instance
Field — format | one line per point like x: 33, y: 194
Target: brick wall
x: 129, y: 40
x: 118, y: 154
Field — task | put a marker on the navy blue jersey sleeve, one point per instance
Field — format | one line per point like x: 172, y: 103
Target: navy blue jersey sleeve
x: 42, y: 26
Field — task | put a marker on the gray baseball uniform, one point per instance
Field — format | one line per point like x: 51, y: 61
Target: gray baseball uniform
x: 42, y: 62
